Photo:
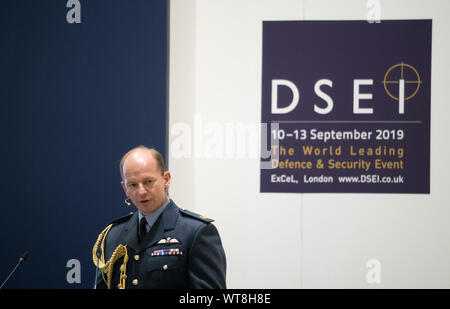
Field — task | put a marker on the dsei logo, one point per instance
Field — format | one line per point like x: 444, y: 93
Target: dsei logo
x: 346, y: 85
x: 401, y: 83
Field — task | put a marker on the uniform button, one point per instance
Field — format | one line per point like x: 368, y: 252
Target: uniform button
x: 165, y: 267
x: 137, y: 257
x: 135, y: 282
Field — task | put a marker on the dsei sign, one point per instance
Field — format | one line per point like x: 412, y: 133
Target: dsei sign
x: 352, y: 86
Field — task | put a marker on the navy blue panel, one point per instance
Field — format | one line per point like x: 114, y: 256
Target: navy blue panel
x: 74, y: 98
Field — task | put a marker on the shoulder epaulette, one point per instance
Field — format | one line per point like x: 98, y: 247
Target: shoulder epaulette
x: 196, y: 216
x: 121, y: 219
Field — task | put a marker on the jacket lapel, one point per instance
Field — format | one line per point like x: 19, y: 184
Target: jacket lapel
x: 129, y: 234
x: 166, y: 222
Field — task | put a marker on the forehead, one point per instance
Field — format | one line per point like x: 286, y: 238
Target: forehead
x: 140, y: 163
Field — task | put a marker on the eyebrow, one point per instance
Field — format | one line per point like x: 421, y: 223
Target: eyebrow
x: 146, y: 178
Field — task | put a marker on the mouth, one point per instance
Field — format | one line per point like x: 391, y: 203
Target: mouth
x: 144, y: 201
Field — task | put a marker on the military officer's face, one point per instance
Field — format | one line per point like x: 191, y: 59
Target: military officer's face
x: 144, y: 183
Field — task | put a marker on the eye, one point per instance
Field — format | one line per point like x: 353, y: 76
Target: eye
x: 132, y: 185
x: 149, y: 181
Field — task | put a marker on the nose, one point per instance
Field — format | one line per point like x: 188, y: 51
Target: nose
x: 141, y: 189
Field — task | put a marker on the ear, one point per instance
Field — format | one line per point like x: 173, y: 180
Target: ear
x: 166, y: 177
x: 124, y: 187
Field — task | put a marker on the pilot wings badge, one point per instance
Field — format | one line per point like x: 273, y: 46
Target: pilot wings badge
x: 168, y: 240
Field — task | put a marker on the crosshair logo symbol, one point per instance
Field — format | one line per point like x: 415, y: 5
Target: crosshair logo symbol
x: 415, y: 79
x: 402, y: 74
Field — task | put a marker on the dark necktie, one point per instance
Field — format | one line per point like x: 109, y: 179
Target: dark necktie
x: 142, y: 231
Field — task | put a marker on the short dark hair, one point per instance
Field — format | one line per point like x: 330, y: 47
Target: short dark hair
x: 156, y: 155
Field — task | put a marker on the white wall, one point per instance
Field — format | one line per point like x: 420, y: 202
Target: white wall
x: 295, y: 240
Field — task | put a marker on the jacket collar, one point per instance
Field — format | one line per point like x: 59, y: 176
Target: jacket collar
x: 165, y: 223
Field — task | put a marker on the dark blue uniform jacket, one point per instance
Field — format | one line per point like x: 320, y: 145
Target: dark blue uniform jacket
x: 182, y: 250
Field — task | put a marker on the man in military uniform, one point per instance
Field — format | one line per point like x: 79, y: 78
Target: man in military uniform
x: 160, y: 245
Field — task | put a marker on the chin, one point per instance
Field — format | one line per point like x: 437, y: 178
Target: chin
x: 147, y: 208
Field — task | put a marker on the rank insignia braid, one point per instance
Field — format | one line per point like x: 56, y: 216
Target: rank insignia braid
x: 107, y: 268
